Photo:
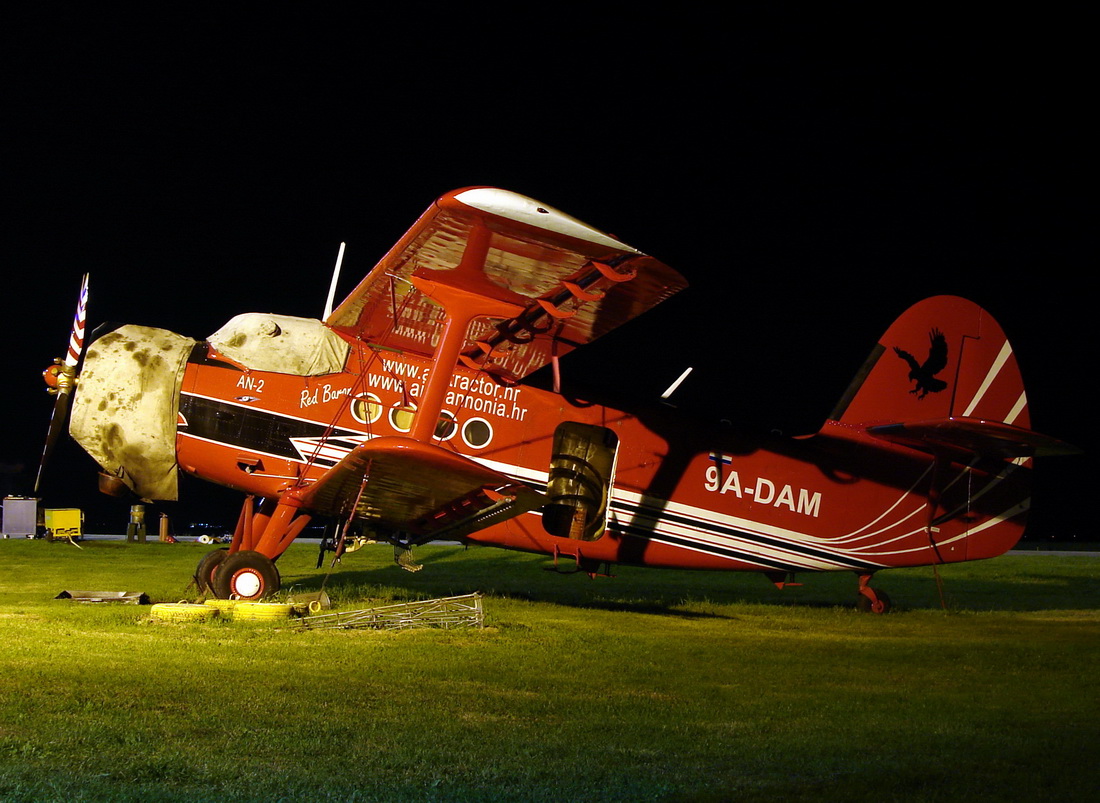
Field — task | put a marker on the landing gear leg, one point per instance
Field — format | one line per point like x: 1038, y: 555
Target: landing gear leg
x: 871, y: 600
x: 246, y: 575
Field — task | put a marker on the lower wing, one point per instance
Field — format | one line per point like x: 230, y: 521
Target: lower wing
x: 418, y: 492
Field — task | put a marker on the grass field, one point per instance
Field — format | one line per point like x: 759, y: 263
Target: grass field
x: 653, y: 685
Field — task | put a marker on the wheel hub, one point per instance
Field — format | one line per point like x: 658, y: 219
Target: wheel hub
x: 247, y: 584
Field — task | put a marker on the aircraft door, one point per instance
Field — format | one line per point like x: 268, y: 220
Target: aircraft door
x: 582, y: 467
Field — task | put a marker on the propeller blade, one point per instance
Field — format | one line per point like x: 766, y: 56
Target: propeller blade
x: 62, y: 378
x: 57, y: 423
x: 76, y: 338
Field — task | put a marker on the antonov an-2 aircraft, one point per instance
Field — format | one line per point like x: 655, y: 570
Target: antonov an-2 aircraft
x: 403, y: 417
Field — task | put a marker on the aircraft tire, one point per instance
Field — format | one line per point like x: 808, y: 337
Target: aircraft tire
x: 247, y: 576
x: 883, y: 604
x: 208, y: 566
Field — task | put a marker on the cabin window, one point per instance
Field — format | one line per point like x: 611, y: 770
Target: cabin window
x: 401, y: 416
x: 582, y: 467
x: 477, y: 432
x: 366, y: 408
x: 446, y: 427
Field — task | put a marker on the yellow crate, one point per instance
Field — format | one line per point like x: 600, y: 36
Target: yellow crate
x: 66, y: 522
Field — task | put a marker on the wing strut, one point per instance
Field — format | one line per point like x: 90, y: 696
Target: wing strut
x: 461, y: 306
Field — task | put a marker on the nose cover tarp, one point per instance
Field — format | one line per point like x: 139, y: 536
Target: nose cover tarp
x: 126, y: 404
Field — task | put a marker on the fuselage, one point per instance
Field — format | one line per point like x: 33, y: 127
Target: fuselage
x: 653, y: 488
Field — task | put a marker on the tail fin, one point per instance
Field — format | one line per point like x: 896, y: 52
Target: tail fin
x: 944, y: 378
x: 944, y: 381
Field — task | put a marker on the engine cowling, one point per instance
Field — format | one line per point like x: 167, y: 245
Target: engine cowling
x: 126, y: 403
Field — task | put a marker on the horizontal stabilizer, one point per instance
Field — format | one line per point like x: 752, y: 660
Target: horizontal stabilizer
x: 973, y: 436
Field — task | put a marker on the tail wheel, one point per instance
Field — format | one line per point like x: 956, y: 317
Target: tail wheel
x: 208, y: 566
x: 247, y: 576
x: 881, y: 603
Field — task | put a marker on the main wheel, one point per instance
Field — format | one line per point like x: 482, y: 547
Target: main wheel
x: 204, y: 572
x: 247, y: 576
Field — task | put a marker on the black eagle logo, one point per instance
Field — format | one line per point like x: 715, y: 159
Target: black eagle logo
x: 925, y: 374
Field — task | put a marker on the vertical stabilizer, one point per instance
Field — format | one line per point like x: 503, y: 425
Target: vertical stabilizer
x: 944, y: 381
x: 944, y: 358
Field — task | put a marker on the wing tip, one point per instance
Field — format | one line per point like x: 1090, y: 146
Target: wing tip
x: 518, y: 208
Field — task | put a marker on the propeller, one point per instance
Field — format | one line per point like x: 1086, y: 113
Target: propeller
x: 61, y: 379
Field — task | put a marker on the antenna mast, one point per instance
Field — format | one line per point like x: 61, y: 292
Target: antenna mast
x: 332, y: 286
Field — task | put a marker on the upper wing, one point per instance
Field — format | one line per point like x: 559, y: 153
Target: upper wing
x: 419, y: 491
x: 573, y: 282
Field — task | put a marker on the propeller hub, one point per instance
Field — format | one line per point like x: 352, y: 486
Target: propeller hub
x: 59, y: 378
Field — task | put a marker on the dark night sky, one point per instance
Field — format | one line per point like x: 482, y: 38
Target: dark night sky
x: 810, y: 178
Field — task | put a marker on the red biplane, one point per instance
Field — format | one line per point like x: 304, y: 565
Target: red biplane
x: 402, y: 417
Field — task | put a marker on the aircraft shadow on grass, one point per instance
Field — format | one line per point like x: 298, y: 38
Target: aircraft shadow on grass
x: 452, y: 571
